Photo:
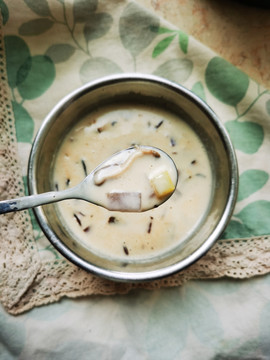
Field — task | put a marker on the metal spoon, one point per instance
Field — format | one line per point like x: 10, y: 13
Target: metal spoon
x: 91, y: 189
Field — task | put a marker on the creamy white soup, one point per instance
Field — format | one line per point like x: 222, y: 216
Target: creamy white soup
x: 134, y: 235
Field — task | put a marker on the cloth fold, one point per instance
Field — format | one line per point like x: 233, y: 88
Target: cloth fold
x: 97, y: 39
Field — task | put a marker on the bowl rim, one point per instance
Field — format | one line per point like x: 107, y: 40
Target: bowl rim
x: 144, y: 275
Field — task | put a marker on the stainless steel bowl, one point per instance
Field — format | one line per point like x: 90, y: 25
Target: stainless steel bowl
x: 143, y: 89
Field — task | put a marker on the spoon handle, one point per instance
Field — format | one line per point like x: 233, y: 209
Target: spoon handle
x: 31, y: 201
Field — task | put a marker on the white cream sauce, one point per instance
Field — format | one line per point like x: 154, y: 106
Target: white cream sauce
x: 133, y: 235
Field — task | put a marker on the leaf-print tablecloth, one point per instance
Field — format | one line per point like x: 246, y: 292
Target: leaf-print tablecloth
x: 53, y: 47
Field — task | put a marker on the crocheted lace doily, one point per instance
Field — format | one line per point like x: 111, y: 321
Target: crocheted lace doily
x: 27, y: 281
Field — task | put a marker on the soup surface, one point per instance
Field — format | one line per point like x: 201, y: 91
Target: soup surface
x: 133, y: 235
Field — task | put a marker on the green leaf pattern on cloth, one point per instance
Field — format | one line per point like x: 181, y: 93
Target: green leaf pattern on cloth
x: 12, y: 336
x: 226, y: 82
x: 162, y: 45
x: 137, y: 29
x: 96, y: 41
x: 97, y: 25
x: 40, y: 7
x: 4, y: 11
x: 82, y: 9
x: 267, y: 106
x: 38, y: 73
x: 170, y: 35
x: 256, y: 217
x: 247, y: 136
x: 60, y: 52
x: 250, y: 182
x: 198, y: 89
x: 102, y: 66
x: 24, y: 123
x: 171, y: 308
x: 179, y: 314
x: 17, y: 53
x: 178, y: 70
x: 183, y: 41
x: 35, y: 27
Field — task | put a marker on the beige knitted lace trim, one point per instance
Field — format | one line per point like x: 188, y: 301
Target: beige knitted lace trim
x: 234, y: 258
x: 19, y: 260
x: 26, y: 281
